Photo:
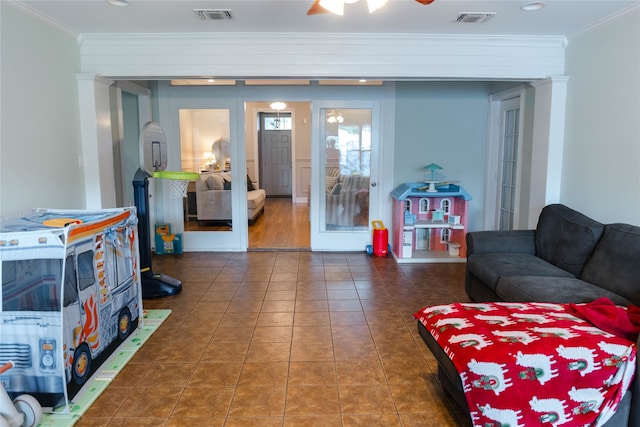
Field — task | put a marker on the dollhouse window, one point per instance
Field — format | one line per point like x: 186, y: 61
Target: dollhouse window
x: 424, y: 205
x: 444, y: 235
x: 445, y: 205
x: 407, y: 205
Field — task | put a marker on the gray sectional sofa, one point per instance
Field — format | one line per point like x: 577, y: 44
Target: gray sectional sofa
x: 568, y: 258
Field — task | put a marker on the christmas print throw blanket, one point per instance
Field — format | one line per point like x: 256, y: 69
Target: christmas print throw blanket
x: 526, y: 364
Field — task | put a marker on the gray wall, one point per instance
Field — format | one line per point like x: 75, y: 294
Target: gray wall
x: 39, y: 116
x: 443, y: 123
x: 601, y: 163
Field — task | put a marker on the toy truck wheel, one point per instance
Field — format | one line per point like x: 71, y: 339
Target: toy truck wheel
x: 28, y: 406
x: 124, y: 323
x: 81, y: 364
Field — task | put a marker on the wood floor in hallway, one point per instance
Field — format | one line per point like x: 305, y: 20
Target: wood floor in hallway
x: 284, y: 225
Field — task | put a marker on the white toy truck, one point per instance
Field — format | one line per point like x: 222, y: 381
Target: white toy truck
x: 70, y: 290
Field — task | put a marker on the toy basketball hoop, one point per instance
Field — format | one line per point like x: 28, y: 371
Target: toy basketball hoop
x: 178, y: 182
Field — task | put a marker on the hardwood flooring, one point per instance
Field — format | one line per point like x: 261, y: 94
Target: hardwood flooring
x: 284, y: 225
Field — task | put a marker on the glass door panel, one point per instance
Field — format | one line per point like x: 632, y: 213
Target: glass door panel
x: 210, y: 141
x: 346, y: 144
x: 348, y: 169
x: 205, y: 148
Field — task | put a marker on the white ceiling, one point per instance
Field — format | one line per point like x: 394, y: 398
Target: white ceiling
x: 559, y: 17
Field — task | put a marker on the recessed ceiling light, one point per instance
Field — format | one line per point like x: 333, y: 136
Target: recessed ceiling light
x: 532, y: 6
x: 119, y: 2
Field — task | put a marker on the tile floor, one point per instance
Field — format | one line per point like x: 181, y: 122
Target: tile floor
x: 287, y: 339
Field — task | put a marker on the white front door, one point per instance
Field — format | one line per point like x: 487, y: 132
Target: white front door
x: 345, y: 141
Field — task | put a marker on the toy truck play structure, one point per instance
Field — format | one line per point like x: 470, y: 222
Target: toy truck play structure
x: 70, y: 294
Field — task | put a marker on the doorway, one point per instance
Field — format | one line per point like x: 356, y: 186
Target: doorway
x: 275, y: 153
x: 278, y: 153
x: 504, y: 160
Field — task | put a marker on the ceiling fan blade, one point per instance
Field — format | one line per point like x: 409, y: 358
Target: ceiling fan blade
x: 425, y: 2
x: 316, y: 9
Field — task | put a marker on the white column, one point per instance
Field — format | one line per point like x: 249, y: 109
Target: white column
x: 97, y: 141
x: 548, y: 144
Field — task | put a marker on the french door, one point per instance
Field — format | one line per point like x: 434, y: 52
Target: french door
x: 504, y: 160
x: 211, y: 143
x: 345, y: 144
x: 510, y: 136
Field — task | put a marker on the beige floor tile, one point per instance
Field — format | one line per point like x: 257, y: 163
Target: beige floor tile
x: 214, y: 375
x: 312, y: 373
x: 312, y: 400
x: 198, y: 402
x: 366, y: 399
x: 312, y: 351
x: 269, y: 352
x: 288, y: 339
x: 372, y: 420
x: 313, y: 421
x: 264, y: 374
x: 358, y: 372
x: 144, y: 402
x: 258, y: 402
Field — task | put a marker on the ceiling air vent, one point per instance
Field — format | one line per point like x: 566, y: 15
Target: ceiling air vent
x: 213, y: 14
x: 474, y: 17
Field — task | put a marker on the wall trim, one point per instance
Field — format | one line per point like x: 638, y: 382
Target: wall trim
x: 305, y: 55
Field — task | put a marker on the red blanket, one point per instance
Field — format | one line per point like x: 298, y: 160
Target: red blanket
x: 525, y: 364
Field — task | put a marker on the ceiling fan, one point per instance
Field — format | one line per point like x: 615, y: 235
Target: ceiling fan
x: 337, y: 6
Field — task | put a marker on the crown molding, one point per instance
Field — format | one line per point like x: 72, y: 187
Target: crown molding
x: 28, y: 10
x: 605, y: 21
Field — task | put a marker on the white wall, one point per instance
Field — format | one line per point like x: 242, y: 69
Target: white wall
x: 39, y: 116
x: 601, y: 168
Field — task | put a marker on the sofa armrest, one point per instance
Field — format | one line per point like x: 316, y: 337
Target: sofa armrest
x: 516, y: 241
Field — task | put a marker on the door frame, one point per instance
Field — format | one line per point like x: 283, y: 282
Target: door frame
x: 321, y: 239
x: 171, y: 210
x: 495, y: 149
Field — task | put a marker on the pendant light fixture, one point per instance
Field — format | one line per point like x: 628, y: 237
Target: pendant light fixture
x: 337, y: 6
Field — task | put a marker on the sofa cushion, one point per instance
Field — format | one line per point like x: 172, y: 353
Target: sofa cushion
x: 214, y: 182
x: 614, y: 263
x: 566, y: 238
x: 488, y: 267
x: 255, y: 199
x: 552, y: 289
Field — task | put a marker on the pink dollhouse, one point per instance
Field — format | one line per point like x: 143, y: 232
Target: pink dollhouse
x: 429, y: 224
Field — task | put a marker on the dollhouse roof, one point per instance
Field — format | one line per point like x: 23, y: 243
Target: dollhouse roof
x: 413, y: 189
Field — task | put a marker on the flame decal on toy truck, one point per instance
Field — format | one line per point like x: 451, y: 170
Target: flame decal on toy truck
x: 90, y: 327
